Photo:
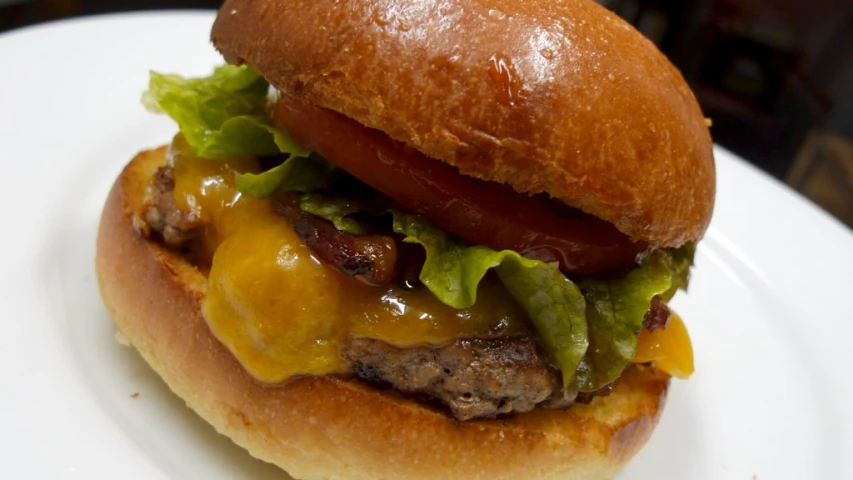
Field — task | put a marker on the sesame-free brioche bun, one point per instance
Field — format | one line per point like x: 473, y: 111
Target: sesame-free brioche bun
x: 334, y: 428
x: 546, y: 96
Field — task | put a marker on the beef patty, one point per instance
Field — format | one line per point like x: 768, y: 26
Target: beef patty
x: 473, y: 377
x: 161, y: 213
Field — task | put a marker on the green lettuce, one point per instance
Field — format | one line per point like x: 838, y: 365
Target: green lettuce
x: 221, y: 115
x: 302, y: 174
x: 614, y: 312
x: 555, y: 306
x: 224, y: 115
x: 679, y: 261
x: 335, y: 210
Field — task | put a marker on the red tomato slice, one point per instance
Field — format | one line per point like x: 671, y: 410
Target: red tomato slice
x: 484, y: 213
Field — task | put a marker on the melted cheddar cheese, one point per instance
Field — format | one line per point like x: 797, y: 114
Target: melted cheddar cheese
x: 281, y: 312
x: 669, y: 349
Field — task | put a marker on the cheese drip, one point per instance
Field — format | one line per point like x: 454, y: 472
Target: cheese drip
x: 669, y: 349
x: 279, y: 310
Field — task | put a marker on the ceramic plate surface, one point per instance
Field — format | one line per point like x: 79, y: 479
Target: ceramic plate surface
x: 768, y: 308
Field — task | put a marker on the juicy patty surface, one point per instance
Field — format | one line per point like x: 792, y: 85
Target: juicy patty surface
x: 472, y: 377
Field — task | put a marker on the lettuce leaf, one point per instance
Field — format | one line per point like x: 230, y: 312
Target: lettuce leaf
x: 614, y: 312
x: 679, y: 260
x: 302, y: 174
x: 333, y: 209
x: 221, y: 115
x: 452, y: 271
x: 554, y: 304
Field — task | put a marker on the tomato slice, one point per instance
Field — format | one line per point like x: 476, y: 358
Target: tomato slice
x: 484, y: 213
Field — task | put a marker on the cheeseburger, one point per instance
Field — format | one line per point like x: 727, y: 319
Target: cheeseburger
x: 417, y: 239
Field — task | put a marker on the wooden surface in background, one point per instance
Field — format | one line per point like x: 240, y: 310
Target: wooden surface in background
x: 823, y: 171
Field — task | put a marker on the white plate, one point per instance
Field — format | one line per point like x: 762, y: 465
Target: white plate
x: 769, y: 307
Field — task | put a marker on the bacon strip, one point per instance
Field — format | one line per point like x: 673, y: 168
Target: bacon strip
x: 371, y: 259
x: 657, y: 316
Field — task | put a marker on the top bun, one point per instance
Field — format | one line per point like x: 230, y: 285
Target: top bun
x: 548, y: 96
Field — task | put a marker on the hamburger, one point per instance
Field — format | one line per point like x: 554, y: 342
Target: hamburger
x: 417, y: 239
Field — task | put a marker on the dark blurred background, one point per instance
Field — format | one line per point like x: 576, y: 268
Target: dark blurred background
x: 775, y: 76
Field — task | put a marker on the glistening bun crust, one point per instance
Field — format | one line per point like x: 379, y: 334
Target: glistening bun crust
x: 326, y: 427
x: 557, y: 97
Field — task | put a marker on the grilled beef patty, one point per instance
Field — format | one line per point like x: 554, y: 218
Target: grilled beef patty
x: 473, y: 377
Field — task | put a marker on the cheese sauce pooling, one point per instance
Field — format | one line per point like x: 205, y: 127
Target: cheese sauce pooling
x: 283, y: 313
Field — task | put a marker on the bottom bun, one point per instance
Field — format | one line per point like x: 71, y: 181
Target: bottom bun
x: 333, y: 428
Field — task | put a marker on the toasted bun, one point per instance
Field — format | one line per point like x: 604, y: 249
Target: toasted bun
x: 326, y: 427
x: 557, y: 97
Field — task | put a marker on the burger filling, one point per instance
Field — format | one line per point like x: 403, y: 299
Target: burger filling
x: 332, y: 250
